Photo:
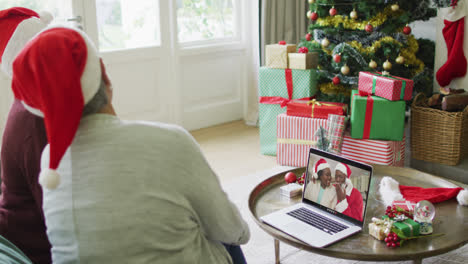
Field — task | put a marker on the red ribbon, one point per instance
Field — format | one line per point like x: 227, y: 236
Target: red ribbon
x: 280, y: 100
x: 368, y: 116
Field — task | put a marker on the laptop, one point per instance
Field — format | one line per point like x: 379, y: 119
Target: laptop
x: 317, y: 220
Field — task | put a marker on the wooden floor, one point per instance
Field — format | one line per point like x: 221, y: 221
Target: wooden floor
x: 233, y: 149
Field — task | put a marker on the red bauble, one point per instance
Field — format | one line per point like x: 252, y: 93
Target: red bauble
x: 333, y: 11
x: 369, y: 28
x: 290, y: 177
x: 314, y: 16
x: 407, y: 30
x: 308, y: 36
x: 282, y: 42
x: 336, y: 80
x: 337, y: 58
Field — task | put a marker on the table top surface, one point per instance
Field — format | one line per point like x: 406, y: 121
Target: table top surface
x: 451, y: 219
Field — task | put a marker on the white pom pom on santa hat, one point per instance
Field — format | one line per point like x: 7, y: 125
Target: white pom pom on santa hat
x: 49, y: 178
x: 390, y: 190
x: 462, y: 197
x: 46, y: 17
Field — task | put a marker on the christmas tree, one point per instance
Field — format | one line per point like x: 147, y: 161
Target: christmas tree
x: 368, y: 35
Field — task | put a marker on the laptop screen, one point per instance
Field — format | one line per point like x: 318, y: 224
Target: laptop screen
x: 338, y: 185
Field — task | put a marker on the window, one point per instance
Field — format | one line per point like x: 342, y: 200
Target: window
x: 60, y: 9
x: 126, y: 24
x: 202, y: 20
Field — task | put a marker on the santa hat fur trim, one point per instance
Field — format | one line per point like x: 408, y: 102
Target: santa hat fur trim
x: 320, y: 165
x: 57, y: 73
x: 18, y: 25
x: 390, y: 190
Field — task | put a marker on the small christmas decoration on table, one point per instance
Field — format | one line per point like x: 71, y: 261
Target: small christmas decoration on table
x: 293, y: 188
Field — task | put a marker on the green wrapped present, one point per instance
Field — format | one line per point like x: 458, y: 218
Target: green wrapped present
x: 373, y: 117
x: 409, y: 227
x: 276, y: 88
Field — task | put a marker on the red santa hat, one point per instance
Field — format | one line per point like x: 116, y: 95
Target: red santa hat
x: 56, y: 74
x: 391, y: 190
x: 344, y: 168
x: 17, y: 26
x: 319, y: 165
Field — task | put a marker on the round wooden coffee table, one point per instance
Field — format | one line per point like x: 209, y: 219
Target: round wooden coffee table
x: 451, y: 220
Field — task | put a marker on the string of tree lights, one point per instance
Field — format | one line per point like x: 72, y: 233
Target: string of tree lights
x: 374, y: 35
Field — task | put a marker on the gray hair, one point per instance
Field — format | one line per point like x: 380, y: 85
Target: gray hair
x: 98, y: 101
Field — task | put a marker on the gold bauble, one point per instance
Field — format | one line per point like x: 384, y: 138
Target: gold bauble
x: 345, y: 69
x: 309, y: 13
x: 373, y: 64
x: 311, y: 1
x: 325, y: 42
x: 395, y: 7
x: 400, y: 59
x: 387, y: 65
x: 353, y: 14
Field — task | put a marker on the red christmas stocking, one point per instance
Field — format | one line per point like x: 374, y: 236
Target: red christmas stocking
x: 454, y: 33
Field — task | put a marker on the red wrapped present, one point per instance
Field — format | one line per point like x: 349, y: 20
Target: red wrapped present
x: 405, y: 205
x: 387, y: 86
x: 315, y: 109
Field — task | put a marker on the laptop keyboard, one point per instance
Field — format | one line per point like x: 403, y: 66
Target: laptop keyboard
x: 323, y: 223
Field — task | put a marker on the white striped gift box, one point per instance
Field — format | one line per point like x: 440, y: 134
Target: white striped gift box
x: 391, y: 153
x: 295, y: 135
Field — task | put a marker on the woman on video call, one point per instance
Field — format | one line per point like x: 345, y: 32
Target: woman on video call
x: 319, y: 189
x: 349, y: 198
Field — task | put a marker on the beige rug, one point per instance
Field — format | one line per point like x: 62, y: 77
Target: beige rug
x: 260, y: 249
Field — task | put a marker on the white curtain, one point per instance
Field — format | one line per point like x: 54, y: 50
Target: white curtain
x: 276, y: 20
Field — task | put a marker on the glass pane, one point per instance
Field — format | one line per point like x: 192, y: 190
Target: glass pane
x: 60, y: 9
x: 205, y: 19
x: 126, y: 24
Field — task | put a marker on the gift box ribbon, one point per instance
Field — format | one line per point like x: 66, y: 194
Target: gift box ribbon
x: 295, y: 141
x: 368, y: 115
x: 281, y: 100
x: 377, y: 75
x: 314, y: 103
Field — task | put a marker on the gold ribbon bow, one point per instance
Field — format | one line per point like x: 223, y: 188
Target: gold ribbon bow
x: 314, y: 102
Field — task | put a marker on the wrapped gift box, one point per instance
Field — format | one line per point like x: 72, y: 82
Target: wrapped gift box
x: 277, y: 55
x: 387, y: 86
x: 409, y: 227
x: 315, y: 109
x: 405, y: 205
x: 276, y: 88
x: 303, y: 61
x: 390, y: 153
x: 291, y: 190
x: 295, y: 138
x: 374, y: 117
x: 377, y: 231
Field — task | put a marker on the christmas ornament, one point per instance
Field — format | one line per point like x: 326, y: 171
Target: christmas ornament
x: 333, y: 11
x: 369, y: 28
x: 313, y: 16
x: 308, y: 36
x: 395, y: 7
x: 373, y: 64
x: 353, y: 14
x: 303, y: 50
x: 325, y: 42
x: 424, y: 212
x: 345, y: 69
x: 454, y: 33
x: 301, y: 179
x: 387, y: 65
x: 400, y: 59
x: 336, y: 80
x: 309, y: 13
x: 282, y: 42
x: 311, y: 1
x: 407, y: 30
x: 290, y: 177
x: 392, y: 240
x: 337, y: 58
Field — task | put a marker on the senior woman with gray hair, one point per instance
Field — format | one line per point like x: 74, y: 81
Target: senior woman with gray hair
x: 118, y: 191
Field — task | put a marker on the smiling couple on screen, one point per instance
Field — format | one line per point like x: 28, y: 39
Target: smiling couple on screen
x: 342, y: 196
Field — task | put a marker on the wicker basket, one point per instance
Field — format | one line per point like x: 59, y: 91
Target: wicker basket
x: 436, y: 135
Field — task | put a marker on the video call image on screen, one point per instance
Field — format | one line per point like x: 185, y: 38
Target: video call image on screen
x: 337, y: 185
